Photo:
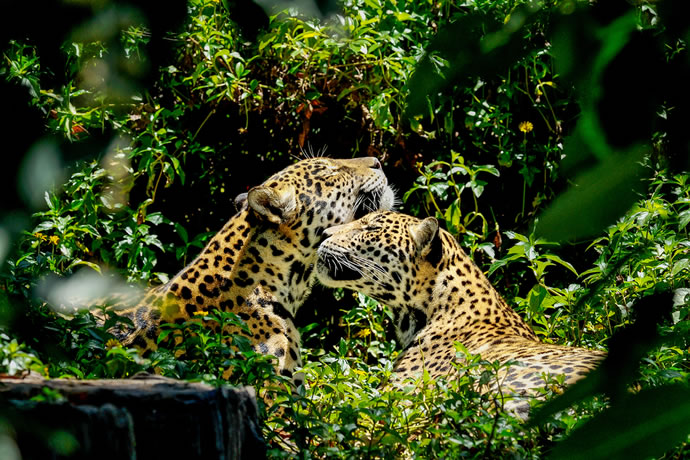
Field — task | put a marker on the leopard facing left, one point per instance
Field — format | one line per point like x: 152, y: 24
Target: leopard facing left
x: 440, y: 297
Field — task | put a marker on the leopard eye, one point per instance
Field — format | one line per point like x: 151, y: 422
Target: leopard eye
x: 327, y: 164
x: 330, y: 169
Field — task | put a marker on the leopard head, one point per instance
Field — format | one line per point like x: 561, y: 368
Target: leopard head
x: 316, y: 193
x: 389, y: 256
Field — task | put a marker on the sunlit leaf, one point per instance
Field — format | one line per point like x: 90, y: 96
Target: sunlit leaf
x: 683, y: 219
x: 559, y: 260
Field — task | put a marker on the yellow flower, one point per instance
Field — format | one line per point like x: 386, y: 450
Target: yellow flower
x: 557, y: 389
x: 526, y: 126
x: 364, y: 333
x: 40, y: 236
x: 54, y: 239
x: 112, y: 343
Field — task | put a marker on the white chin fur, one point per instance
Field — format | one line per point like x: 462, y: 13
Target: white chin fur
x: 387, y: 200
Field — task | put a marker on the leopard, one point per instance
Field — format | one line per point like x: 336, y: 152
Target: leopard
x: 260, y: 265
x: 440, y: 297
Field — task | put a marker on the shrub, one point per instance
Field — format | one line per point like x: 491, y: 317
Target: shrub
x: 485, y: 144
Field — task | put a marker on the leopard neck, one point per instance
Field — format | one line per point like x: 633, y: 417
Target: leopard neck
x: 245, y: 253
x: 212, y: 274
x: 462, y: 297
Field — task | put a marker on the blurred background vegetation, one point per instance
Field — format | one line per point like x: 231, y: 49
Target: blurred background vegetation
x: 550, y: 137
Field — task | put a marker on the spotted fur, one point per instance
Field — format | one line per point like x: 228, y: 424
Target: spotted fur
x: 439, y: 297
x: 260, y: 264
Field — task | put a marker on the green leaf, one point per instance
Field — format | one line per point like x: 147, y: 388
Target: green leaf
x: 182, y: 232
x: 374, y: 4
x: 517, y: 236
x: 679, y: 266
x: 489, y: 169
x: 496, y: 265
x: 536, y: 297
x: 178, y: 168
x: 644, y: 425
x: 75, y: 204
x: 597, y: 199
x: 477, y: 44
x: 557, y: 259
x: 156, y: 218
x: 683, y: 219
x: 79, y: 262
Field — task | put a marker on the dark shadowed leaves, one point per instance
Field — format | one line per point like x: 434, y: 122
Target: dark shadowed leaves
x: 626, y: 348
x: 599, y: 51
x: 644, y: 425
x: 597, y: 198
x: 475, y: 45
x: 635, y: 426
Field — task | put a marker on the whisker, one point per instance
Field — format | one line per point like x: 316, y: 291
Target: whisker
x: 322, y: 152
x: 374, y: 269
x: 397, y: 201
x: 373, y: 200
x: 367, y: 268
x: 340, y: 260
x: 351, y: 213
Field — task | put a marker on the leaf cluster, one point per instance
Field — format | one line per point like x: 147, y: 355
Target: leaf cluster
x: 483, y: 111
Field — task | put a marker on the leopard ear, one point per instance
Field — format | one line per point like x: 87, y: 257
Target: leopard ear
x: 277, y: 206
x: 424, y: 233
x: 240, y: 202
x: 426, y: 239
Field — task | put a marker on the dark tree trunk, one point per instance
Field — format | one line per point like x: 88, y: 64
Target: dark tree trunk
x: 146, y: 417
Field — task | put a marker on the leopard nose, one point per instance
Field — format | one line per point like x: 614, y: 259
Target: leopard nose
x: 363, y: 162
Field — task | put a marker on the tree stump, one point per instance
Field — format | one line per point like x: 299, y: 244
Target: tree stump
x: 146, y: 417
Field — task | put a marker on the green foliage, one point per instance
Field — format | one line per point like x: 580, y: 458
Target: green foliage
x: 83, y: 223
x: 210, y: 355
x: 15, y: 358
x: 643, y: 428
x: 344, y: 412
x: 440, y: 179
x: 600, y: 195
x: 481, y: 110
